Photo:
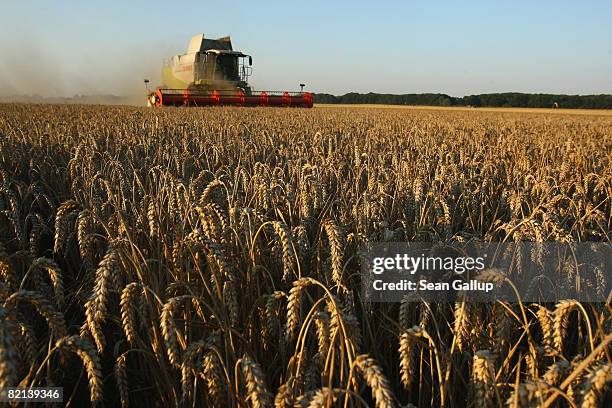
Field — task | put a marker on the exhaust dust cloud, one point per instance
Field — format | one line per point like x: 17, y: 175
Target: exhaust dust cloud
x: 33, y: 74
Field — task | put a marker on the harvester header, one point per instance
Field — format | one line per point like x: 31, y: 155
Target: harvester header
x: 212, y: 73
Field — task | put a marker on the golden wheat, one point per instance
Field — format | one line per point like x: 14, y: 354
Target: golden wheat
x: 212, y: 257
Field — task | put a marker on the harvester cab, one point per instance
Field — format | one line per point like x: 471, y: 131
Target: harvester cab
x: 211, y: 72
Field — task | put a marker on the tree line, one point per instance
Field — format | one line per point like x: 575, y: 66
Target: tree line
x: 507, y: 99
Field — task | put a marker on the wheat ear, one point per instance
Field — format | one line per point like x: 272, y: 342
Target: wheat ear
x: 483, y: 377
x: 595, y: 384
x: 121, y: 379
x: 373, y: 375
x: 54, y: 319
x: 128, y: 308
x: 255, y: 383
x: 336, y: 240
x: 8, y: 366
x: 95, y: 307
x: 293, y: 305
x: 87, y: 353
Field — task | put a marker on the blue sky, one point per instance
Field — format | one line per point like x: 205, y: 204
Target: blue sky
x: 67, y: 47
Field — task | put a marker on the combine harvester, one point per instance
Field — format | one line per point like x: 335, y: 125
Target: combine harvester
x: 211, y: 73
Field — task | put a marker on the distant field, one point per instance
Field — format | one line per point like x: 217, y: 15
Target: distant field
x: 606, y: 112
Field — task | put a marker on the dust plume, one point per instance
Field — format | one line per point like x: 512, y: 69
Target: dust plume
x: 32, y: 73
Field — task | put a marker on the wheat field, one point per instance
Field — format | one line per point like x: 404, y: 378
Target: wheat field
x: 207, y: 257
